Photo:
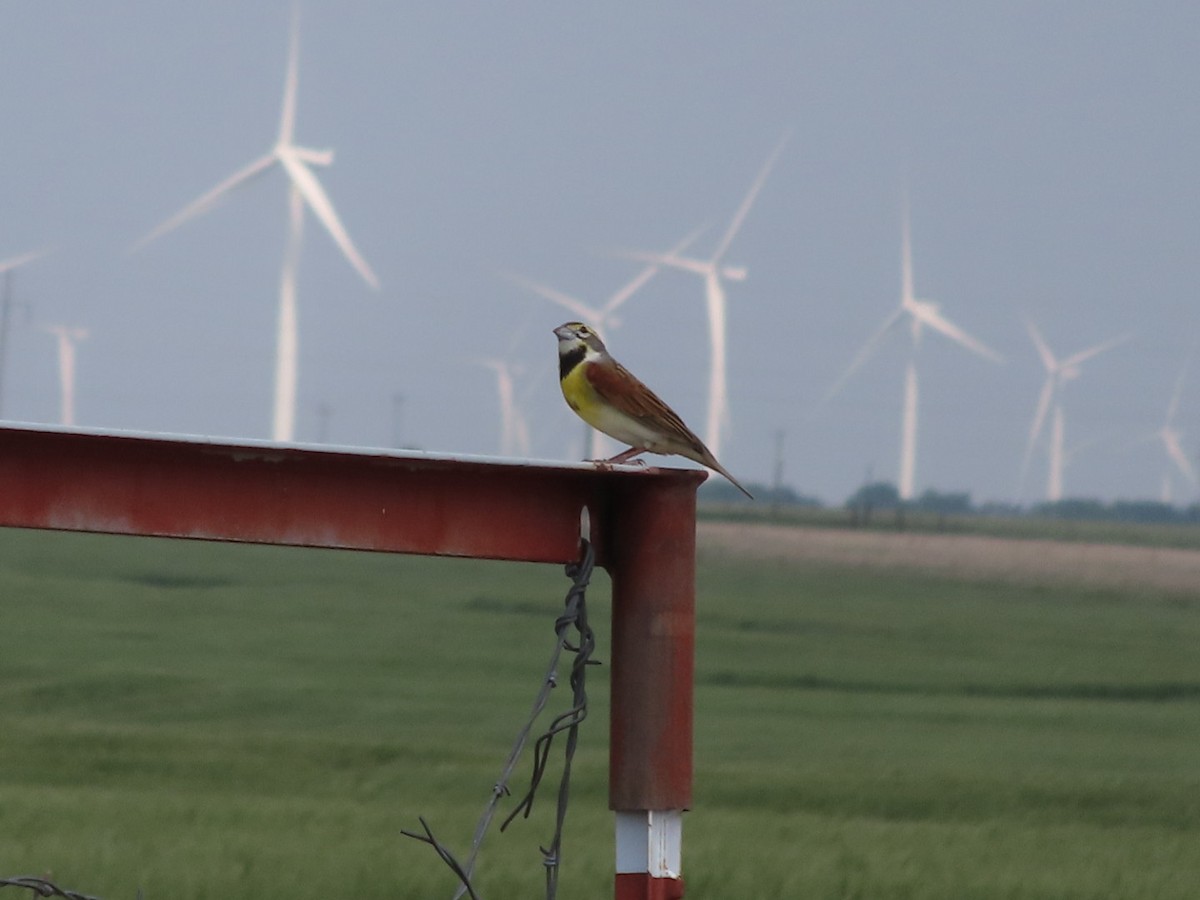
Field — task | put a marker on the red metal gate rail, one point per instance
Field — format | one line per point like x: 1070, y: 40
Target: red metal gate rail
x: 642, y: 524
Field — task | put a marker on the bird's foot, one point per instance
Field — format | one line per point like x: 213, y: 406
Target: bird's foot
x: 626, y: 456
x: 609, y: 463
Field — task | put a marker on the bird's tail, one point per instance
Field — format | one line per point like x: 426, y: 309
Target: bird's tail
x: 712, y: 463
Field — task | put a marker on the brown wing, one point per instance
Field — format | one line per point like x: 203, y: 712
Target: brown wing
x: 619, y: 387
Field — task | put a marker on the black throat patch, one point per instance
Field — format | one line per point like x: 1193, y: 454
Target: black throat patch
x: 569, y: 360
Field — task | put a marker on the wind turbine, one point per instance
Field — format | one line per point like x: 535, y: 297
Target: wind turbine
x: 7, y: 268
x: 67, y: 337
x: 303, y: 190
x: 514, y: 429
x: 919, y: 315
x: 1171, y: 439
x: 603, y: 318
x: 1058, y: 373
x: 713, y: 270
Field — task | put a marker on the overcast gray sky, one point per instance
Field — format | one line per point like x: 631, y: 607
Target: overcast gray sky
x: 1049, y: 152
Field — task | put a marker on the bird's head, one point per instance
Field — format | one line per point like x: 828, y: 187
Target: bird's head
x: 576, y: 335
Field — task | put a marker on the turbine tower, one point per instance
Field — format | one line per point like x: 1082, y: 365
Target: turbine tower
x: 603, y: 318
x: 1171, y: 439
x: 67, y: 338
x: 713, y: 270
x: 919, y: 315
x: 1058, y: 373
x: 7, y: 268
x: 514, y: 429
x: 303, y: 190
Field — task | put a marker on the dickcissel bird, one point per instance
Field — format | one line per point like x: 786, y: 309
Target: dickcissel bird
x: 609, y: 398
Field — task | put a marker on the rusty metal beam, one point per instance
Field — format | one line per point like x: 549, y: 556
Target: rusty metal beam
x: 309, y: 497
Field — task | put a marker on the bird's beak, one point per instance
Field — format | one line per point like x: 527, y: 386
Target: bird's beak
x: 563, y: 333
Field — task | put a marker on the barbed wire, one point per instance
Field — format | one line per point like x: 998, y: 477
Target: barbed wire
x: 574, y: 616
x: 447, y: 857
x: 44, y: 887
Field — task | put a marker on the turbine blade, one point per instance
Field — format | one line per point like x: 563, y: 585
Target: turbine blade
x: 633, y: 286
x: 938, y: 322
x: 740, y: 216
x: 865, y: 352
x: 1048, y: 360
x: 674, y: 261
x: 319, y: 202
x: 287, y: 115
x: 578, y: 307
x: 1171, y: 442
x: 208, y: 200
x: 16, y: 262
x: 1095, y: 351
x: 907, y: 296
x: 1173, y: 406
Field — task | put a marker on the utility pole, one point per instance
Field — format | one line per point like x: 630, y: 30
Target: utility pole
x: 777, y: 473
x: 8, y: 267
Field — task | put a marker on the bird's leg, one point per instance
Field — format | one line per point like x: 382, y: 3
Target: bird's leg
x: 625, y: 456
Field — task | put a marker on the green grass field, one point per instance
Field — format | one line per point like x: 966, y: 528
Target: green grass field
x: 1027, y: 527
x: 218, y: 721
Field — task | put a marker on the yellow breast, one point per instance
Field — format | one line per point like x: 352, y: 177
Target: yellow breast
x: 603, y: 416
x: 580, y: 395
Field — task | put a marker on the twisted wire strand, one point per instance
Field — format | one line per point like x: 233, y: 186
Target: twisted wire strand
x: 574, y: 615
x: 43, y: 887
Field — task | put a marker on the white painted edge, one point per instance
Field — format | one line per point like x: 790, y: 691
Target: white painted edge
x: 237, y: 443
x: 650, y: 841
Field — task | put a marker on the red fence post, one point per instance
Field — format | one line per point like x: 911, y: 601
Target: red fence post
x: 652, y: 541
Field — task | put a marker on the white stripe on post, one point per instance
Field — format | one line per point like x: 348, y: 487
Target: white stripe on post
x: 650, y: 842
